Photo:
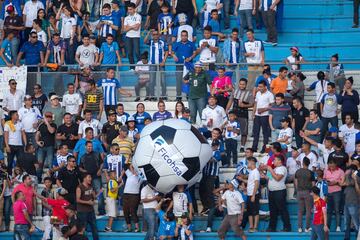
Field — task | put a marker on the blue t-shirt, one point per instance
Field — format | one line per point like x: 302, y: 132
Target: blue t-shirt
x: 313, y: 126
x: 109, y: 52
x: 106, y: 29
x: 215, y: 26
x: 166, y: 228
x: 117, y: 15
x: 165, y: 20
x: 158, y: 116
x: 183, y: 50
x: 140, y: 119
x: 81, y: 149
x: 32, y: 52
x: 6, y: 45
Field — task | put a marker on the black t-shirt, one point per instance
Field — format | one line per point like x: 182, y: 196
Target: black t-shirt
x: 69, y: 179
x: 15, y: 21
x: 154, y: 12
x: 91, y: 163
x: 299, y: 116
x: 39, y: 102
x: 45, y: 136
x: 184, y: 6
x: 111, y: 131
x: 73, y: 129
x: 340, y: 158
x: 27, y: 162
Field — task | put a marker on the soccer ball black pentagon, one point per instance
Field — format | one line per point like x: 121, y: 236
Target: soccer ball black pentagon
x: 170, y: 153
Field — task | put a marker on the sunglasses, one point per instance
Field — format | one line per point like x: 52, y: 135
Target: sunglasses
x: 13, y: 83
x: 116, y: 149
x: 34, y: 36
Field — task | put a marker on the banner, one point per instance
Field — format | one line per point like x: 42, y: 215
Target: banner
x: 17, y: 73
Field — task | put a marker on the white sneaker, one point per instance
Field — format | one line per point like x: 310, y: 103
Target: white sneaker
x: 308, y: 230
x: 300, y: 230
x: 338, y: 229
x: 208, y: 229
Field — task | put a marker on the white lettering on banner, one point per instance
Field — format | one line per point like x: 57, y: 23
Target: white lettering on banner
x: 17, y: 73
x: 169, y: 156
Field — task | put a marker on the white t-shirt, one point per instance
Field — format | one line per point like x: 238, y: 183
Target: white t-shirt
x: 287, y: 132
x: 349, y: 136
x: 67, y: 26
x: 132, y: 184
x: 94, y: 124
x: 233, y: 201
x: 254, y: 47
x: 253, y: 176
x: 291, y: 59
x: 211, y: 4
x: 30, y: 10
x: 217, y: 114
x: 148, y: 192
x: 274, y: 185
x: 246, y: 5
x: 313, y: 160
x: 206, y: 56
x: 324, y: 152
x: 131, y: 20
x: 71, y: 102
x: 42, y: 37
x: 15, y: 138
x: 180, y: 200
x: 28, y: 117
x: 87, y: 54
x: 263, y: 100
x: 292, y: 166
x: 13, y: 102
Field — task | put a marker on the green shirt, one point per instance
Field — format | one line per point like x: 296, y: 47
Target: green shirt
x: 198, y: 84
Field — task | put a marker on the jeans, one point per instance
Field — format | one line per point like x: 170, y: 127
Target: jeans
x: 89, y: 218
x: 14, y: 43
x: 7, y: 211
x: 333, y: 204
x: 277, y: 206
x: 318, y: 232
x: 351, y: 213
x: 30, y: 138
x: 179, y: 80
x: 196, y: 106
x: 274, y: 135
x: 226, y: 12
x: 69, y: 51
x: 133, y: 47
x: 21, y: 232
x: 45, y: 156
x: 263, y: 123
x: 269, y: 18
x: 245, y: 21
x: 231, y: 150
x: 206, y: 188
x: 304, y: 200
x: 325, y: 121
x: 299, y: 140
x: 96, y: 184
x: 151, y: 221
x: 14, y: 151
x: 94, y: 6
x: 154, y: 74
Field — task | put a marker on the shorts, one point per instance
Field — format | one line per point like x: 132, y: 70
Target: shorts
x: 253, y: 207
x: 111, y: 207
x: 243, y: 125
x: 167, y: 39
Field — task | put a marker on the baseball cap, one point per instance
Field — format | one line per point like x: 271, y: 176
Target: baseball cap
x: 61, y: 191
x: 198, y: 64
x: 295, y: 49
x: 130, y: 119
x: 54, y: 97
x: 111, y: 112
x: 10, y: 8
x: 26, y: 97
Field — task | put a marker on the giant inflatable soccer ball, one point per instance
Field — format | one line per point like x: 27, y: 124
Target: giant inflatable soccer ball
x: 170, y: 153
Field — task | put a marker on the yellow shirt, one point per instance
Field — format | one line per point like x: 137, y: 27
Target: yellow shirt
x: 112, y: 184
x: 126, y: 146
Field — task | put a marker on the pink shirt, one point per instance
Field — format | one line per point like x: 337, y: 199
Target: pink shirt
x: 331, y: 176
x: 19, y: 217
x: 29, y: 196
x: 221, y: 83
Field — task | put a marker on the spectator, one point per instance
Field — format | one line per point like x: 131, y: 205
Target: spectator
x: 85, y: 197
x: 33, y: 50
x: 72, y: 101
x: 13, y: 98
x: 69, y: 178
x: 339, y: 156
x: 295, y: 59
x: 39, y: 99
x: 107, y: 24
x: 94, y: 101
x: 349, y: 100
x: 179, y: 108
x: 235, y: 209
x: 142, y: 70
x: 246, y: 10
x: 320, y: 87
x: 61, y: 160
x: 29, y: 194
x: 29, y: 163
x: 198, y: 81
x: 91, y: 162
x: 328, y: 106
x: 6, y: 57
x: 149, y: 199
x: 162, y: 114
x: 335, y: 72
x: 277, y: 195
x: 267, y: 76
x: 213, y: 116
x: 255, y: 57
x: 22, y: 218
x: 221, y: 87
x: 187, y: 6
x: 30, y: 14
x: 154, y: 10
x: 207, y: 11
x: 158, y: 50
x: 109, y: 86
x: 285, y: 136
x: 280, y: 84
x: 140, y: 116
x: 297, y: 85
x: 292, y: 165
x: 55, y: 108
x: 334, y: 176
x: 240, y: 101
x: 39, y: 31
x: 114, y: 162
x: 322, y: 185
x: 207, y: 49
x: 55, y: 51
x: 232, y: 131
x: 13, y: 23
x: 304, y: 181
x: 319, y: 225
x: 87, y: 54
x: 126, y: 145
x: 109, y: 51
x: 112, y: 195
x: 132, y: 27
x: 14, y: 139
x: 181, y: 202
x: 67, y: 132
x: 233, y: 50
x: 164, y: 26
x: 47, y: 192
x: 214, y: 23
x: 253, y: 193
x: 121, y: 115
x: 183, y: 25
x: 268, y: 13
x: 306, y: 152
x: 83, y: 80
x: 347, y: 133
x: 166, y: 220
x: 314, y: 126
x: 131, y: 198
x: 80, y: 147
x: 263, y: 102
x: 110, y: 129
x: 277, y: 112
x: 325, y: 149
x: 29, y: 117
x: 300, y: 119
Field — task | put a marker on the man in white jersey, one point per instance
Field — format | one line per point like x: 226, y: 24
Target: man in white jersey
x: 208, y: 49
x: 29, y: 117
x: 72, y: 101
x: 132, y: 27
x: 347, y: 133
x: 255, y: 57
x: 114, y: 162
x: 181, y: 202
x: 89, y: 122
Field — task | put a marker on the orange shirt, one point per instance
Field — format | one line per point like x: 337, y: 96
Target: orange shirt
x: 319, y: 204
x: 279, y: 85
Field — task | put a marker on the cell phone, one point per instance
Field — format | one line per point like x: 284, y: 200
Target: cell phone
x: 179, y: 221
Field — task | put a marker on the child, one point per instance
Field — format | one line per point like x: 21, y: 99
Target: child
x: 147, y: 121
x: 114, y: 162
x: 184, y: 231
x: 165, y: 23
x: 232, y: 133
x: 319, y: 227
x: 181, y: 202
x: 106, y: 24
x: 46, y: 209
x: 321, y: 184
x: 186, y: 115
x: 167, y: 221
x: 286, y: 134
x: 61, y: 160
x: 112, y: 194
x: 209, y: 7
x: 42, y: 37
x: 133, y: 131
x: 143, y: 72
x: 215, y: 25
x: 208, y: 49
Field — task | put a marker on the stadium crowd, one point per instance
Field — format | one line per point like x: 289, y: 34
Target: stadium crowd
x: 79, y: 161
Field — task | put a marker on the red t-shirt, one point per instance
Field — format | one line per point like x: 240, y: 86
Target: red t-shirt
x: 19, y: 217
x: 319, y: 204
x: 29, y: 195
x: 271, y: 159
x: 58, y: 208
